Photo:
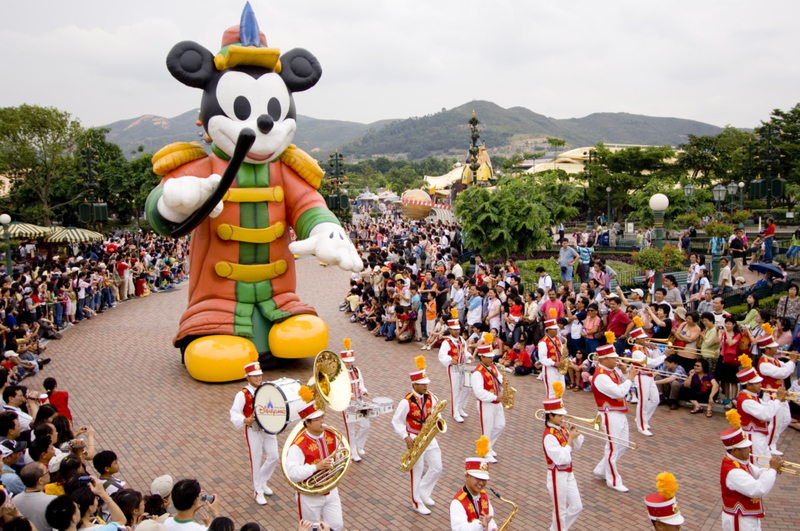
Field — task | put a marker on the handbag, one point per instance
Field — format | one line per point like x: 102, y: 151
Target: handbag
x: 413, y: 315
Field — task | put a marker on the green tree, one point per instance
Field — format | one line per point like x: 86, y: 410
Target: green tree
x: 401, y: 179
x: 35, y: 144
x: 711, y: 159
x: 556, y: 143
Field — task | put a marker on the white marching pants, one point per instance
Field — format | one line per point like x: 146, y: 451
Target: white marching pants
x: 493, y: 420
x: 567, y: 503
x: 551, y: 376
x: 779, y: 423
x: 356, y: 433
x: 327, y: 509
x: 261, y: 443
x: 422, y: 484
x: 616, y: 424
x: 648, y: 401
x: 740, y: 523
x: 459, y: 393
x: 760, y: 445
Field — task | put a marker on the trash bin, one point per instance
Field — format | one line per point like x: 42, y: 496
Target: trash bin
x: 775, y: 249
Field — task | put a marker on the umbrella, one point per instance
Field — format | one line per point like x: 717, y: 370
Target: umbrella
x: 762, y: 268
x: 73, y: 235
x: 21, y: 230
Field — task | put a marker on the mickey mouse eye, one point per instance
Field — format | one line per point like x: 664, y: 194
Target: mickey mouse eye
x: 241, y: 108
x: 274, y: 109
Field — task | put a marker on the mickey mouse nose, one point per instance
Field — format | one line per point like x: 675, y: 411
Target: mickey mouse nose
x: 265, y: 123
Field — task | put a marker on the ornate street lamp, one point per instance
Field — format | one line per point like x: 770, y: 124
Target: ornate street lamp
x: 659, y: 204
x: 608, y: 209
x: 719, y: 195
x: 688, y: 191
x: 741, y: 195
x: 732, y: 189
x: 5, y: 220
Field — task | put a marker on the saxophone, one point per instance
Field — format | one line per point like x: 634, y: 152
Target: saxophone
x: 508, y: 391
x: 432, y: 427
x: 512, y: 514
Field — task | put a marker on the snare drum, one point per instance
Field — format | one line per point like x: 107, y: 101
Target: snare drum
x: 466, y: 375
x: 385, y: 405
x: 276, y: 404
x: 357, y: 410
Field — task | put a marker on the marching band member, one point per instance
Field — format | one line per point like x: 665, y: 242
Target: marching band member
x: 487, y: 384
x: 550, y: 349
x: 312, y: 451
x: 742, y: 483
x: 609, y: 394
x: 453, y: 355
x: 258, y: 441
x: 409, y: 417
x: 773, y: 371
x: 559, y: 440
x: 662, y: 507
x: 756, y: 413
x: 471, y: 509
x: 356, y: 431
x: 648, y: 390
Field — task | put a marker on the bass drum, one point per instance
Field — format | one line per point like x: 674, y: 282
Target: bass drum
x: 277, y: 404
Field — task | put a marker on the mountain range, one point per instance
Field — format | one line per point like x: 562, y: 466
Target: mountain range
x: 446, y: 133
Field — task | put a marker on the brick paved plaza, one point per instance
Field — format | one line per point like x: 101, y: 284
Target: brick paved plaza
x: 126, y: 379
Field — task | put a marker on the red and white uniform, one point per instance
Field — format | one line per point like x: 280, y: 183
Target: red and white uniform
x: 774, y: 371
x: 466, y: 510
x: 609, y: 394
x: 743, y: 485
x: 550, y: 349
x: 648, y: 390
x: 357, y: 431
x: 561, y: 482
x: 487, y: 384
x: 259, y: 442
x: 303, y: 455
x: 409, y: 417
x: 453, y: 355
x: 756, y: 415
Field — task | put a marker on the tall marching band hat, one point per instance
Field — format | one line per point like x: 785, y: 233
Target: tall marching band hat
x: 662, y: 506
x: 748, y: 375
x: 555, y: 405
x: 253, y: 369
x: 638, y: 332
x: 420, y: 376
x: 454, y: 323
x: 478, y: 467
x: 767, y: 340
x: 315, y: 407
x: 553, y: 321
x: 486, y: 349
x: 608, y: 350
x: 734, y: 437
x: 347, y: 355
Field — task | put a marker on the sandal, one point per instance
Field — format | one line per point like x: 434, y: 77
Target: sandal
x: 710, y: 413
x: 696, y: 410
x: 577, y: 389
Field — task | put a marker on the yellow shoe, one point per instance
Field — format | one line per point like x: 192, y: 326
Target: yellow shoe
x: 299, y: 336
x: 218, y: 358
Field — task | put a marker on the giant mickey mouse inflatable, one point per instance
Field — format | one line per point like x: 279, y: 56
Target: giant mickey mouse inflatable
x: 240, y: 201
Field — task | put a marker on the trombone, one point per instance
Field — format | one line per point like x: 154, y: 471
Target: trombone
x: 792, y: 396
x: 787, y: 467
x: 634, y: 363
x: 671, y: 347
x: 595, y: 423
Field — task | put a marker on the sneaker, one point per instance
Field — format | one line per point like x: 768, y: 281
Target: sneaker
x: 424, y: 347
x: 587, y: 389
x: 619, y: 488
x: 463, y: 413
x: 260, y: 499
x: 458, y: 419
x: 266, y: 491
x: 429, y: 502
x: 362, y: 452
x: 421, y: 509
x: 509, y: 369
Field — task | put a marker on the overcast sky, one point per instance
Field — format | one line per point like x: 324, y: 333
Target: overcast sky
x: 721, y: 62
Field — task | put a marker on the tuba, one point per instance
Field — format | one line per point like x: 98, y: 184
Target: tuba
x: 432, y: 427
x: 332, y: 386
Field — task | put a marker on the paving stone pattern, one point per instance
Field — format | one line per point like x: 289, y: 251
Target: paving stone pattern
x: 126, y: 379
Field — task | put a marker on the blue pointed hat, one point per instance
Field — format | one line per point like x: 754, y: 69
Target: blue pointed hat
x: 246, y: 45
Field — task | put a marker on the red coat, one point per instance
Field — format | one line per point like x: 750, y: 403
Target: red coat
x: 734, y: 502
x: 483, y: 504
x: 416, y: 417
x: 604, y: 402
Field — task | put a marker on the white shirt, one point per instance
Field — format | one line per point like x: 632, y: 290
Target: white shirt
x: 546, y: 283
x: 172, y: 525
x: 458, y: 519
x: 606, y: 385
x: 24, y: 419
x: 477, y: 386
x: 560, y: 455
x: 458, y: 271
x: 296, y: 468
x: 237, y: 417
x: 756, y: 485
x: 444, y: 351
x: 762, y: 410
x: 652, y: 361
x: 542, y: 350
x: 773, y: 371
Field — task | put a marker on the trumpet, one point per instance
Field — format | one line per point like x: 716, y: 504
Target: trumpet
x: 787, y: 467
x: 639, y: 364
x: 595, y: 423
x: 790, y: 395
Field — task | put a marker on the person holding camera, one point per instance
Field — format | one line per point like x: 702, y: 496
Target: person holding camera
x: 258, y: 441
x: 189, y: 498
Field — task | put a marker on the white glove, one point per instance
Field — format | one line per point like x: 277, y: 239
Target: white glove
x: 183, y: 195
x: 329, y: 243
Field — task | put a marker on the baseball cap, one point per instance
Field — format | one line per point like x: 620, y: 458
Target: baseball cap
x: 162, y: 486
x: 10, y: 354
x: 8, y: 447
x: 638, y: 292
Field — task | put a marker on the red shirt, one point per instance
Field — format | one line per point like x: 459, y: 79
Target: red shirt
x: 121, y: 267
x: 60, y: 401
x: 618, y: 322
x: 770, y: 230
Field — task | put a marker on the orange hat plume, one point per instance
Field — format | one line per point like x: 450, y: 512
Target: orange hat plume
x: 482, y: 446
x: 667, y: 485
x: 767, y: 328
x: 487, y: 338
x: 638, y: 322
x: 746, y: 361
x: 553, y: 313
x: 610, y: 337
x: 306, y: 394
x: 558, y: 389
x: 347, y: 343
x: 420, y: 361
x: 734, y: 418
x: 453, y: 313
x: 253, y: 355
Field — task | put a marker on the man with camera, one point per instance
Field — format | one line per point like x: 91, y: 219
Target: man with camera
x: 188, y: 498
